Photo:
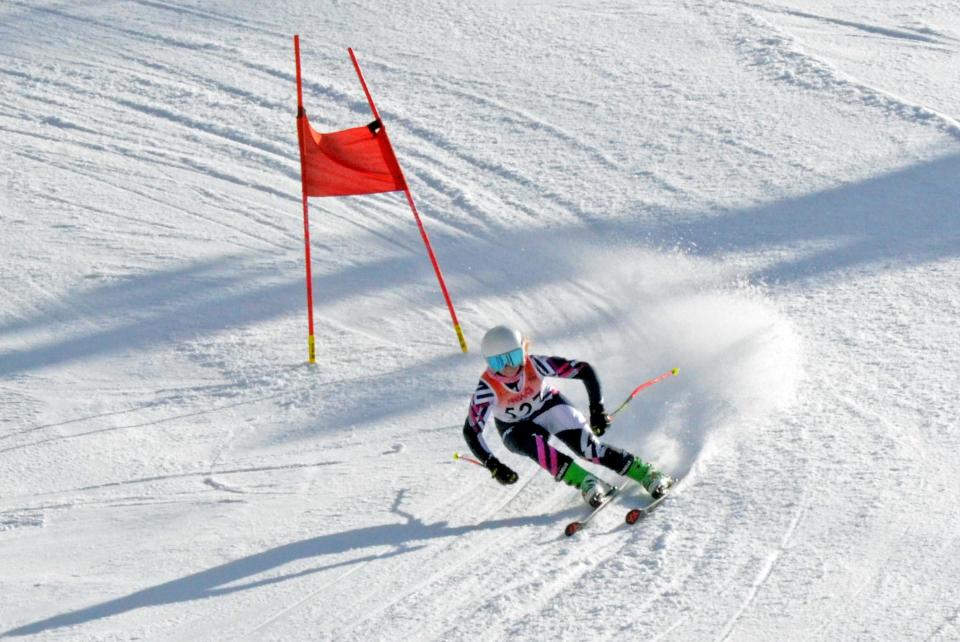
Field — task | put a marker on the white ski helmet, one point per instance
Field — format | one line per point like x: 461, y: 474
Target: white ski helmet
x: 502, y: 346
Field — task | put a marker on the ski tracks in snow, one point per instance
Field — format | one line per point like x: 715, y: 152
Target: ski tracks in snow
x: 781, y: 57
x: 339, y: 560
x: 156, y: 113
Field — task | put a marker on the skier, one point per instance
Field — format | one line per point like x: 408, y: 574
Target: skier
x: 527, y: 413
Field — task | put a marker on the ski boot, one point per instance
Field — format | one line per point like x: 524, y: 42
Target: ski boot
x: 658, y: 485
x: 593, y: 490
x: 652, y: 480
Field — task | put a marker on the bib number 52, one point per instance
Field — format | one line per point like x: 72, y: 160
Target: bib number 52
x: 519, y: 412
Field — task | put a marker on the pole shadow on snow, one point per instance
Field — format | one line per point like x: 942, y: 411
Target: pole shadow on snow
x: 209, y: 297
x: 240, y: 574
x: 906, y: 217
x: 898, y: 219
x: 171, y: 305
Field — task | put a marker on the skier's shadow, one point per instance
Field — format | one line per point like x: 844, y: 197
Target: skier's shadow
x: 228, y: 578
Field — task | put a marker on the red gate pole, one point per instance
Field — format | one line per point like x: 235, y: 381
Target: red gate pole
x: 301, y: 120
x: 413, y: 208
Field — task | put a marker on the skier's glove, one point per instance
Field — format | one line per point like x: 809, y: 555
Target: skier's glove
x: 599, y: 420
x: 501, y: 472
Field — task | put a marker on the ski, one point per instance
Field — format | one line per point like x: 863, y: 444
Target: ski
x: 634, y: 514
x: 573, y: 527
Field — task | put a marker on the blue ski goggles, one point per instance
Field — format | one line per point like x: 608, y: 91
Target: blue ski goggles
x: 500, y: 361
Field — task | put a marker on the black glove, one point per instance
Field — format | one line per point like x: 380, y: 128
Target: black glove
x: 501, y: 472
x: 599, y: 420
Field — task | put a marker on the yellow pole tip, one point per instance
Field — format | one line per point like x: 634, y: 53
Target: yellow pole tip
x: 456, y: 456
x: 675, y: 371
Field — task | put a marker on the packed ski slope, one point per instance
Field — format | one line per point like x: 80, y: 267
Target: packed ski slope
x: 763, y: 194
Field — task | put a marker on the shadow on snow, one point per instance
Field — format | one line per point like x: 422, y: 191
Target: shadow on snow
x: 906, y: 217
x: 239, y: 575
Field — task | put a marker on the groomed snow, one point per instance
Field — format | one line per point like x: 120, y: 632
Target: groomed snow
x: 762, y: 194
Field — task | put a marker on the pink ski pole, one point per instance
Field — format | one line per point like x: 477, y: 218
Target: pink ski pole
x: 469, y: 460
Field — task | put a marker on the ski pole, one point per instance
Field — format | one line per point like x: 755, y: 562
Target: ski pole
x: 470, y: 460
x: 643, y: 386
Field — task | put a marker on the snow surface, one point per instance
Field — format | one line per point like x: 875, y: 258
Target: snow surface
x: 763, y: 194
